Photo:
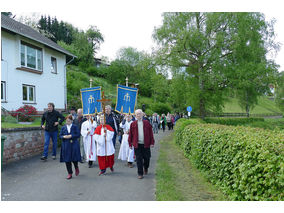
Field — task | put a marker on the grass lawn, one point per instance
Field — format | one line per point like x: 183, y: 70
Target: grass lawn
x: 178, y: 180
x: 264, y: 106
x: 6, y: 125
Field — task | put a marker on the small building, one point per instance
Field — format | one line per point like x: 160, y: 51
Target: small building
x: 33, y: 68
x: 98, y: 62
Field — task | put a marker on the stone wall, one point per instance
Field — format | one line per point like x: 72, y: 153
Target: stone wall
x: 22, y: 143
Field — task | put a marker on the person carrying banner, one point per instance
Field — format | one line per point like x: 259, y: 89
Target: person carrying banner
x: 112, y: 121
x: 87, y: 131
x: 105, y: 150
x: 141, y: 138
x: 125, y: 153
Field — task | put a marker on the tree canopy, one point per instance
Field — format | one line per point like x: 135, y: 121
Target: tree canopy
x: 215, y: 52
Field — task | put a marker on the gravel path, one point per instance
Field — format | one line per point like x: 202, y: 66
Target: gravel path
x: 33, y: 180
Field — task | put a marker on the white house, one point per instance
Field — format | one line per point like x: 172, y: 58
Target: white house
x: 33, y: 68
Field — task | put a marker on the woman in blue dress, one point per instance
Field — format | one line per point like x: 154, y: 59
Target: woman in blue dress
x: 70, y: 148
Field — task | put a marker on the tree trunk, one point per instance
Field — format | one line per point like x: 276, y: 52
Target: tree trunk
x: 202, y: 108
x: 201, y: 98
x: 247, y: 105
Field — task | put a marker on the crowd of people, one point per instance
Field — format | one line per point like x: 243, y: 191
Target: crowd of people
x: 88, y: 138
x: 160, y: 122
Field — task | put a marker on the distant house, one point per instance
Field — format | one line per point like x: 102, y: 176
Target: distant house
x: 33, y: 68
x: 100, y: 62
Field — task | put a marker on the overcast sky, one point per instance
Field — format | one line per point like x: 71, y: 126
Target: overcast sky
x: 127, y: 23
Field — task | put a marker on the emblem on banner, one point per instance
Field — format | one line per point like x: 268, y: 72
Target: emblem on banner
x: 126, y: 99
x: 89, y: 97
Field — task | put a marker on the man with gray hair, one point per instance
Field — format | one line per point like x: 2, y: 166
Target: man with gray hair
x: 142, y: 138
x: 112, y: 121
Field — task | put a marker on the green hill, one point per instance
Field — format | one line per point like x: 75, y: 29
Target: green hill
x: 78, y: 79
x: 265, y: 105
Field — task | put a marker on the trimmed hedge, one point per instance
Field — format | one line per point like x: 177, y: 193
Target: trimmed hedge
x: 252, y: 122
x: 181, y: 124
x: 233, y: 121
x: 246, y: 163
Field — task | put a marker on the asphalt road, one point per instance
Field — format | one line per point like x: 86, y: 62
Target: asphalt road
x: 34, y: 180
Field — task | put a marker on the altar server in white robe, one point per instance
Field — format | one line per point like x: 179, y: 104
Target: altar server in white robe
x: 87, y: 131
x: 105, y: 148
x: 125, y: 153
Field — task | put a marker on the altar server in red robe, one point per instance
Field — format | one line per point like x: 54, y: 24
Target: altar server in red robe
x: 105, y: 149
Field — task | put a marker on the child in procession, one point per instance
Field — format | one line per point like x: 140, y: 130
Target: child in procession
x: 125, y: 153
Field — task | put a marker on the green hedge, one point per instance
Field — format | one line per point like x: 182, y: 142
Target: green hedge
x: 252, y: 122
x: 246, y: 163
x: 181, y: 124
x: 233, y: 121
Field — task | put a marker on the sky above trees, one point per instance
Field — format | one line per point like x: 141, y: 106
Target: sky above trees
x: 125, y: 24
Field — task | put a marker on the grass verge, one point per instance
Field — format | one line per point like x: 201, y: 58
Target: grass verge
x: 178, y: 180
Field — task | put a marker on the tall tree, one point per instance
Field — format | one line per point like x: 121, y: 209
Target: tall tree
x: 95, y: 38
x: 253, y: 72
x: 203, y: 45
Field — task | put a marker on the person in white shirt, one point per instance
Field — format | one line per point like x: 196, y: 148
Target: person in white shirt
x: 125, y: 153
x: 87, y: 131
x: 105, y: 149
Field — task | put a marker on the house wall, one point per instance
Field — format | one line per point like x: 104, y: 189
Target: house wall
x: 49, y: 87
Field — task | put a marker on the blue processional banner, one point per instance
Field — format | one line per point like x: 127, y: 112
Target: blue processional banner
x: 126, y: 99
x: 89, y: 97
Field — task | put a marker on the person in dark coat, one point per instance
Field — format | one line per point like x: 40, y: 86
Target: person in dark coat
x: 70, y: 147
x: 141, y: 138
x: 78, y: 122
x: 112, y: 121
x: 50, y: 119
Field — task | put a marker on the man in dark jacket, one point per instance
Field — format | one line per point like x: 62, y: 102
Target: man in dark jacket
x: 112, y: 121
x: 142, y: 138
x: 50, y: 118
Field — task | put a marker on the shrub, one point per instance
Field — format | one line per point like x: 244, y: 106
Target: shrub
x: 149, y: 112
x: 25, y: 113
x: 252, y: 122
x: 268, y: 124
x: 246, y: 163
x: 232, y: 121
x: 8, y: 119
x: 181, y: 124
x: 160, y: 108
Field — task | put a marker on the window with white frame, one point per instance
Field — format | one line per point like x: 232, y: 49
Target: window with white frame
x: 31, y: 57
x: 3, y: 91
x: 53, y: 65
x: 28, y: 93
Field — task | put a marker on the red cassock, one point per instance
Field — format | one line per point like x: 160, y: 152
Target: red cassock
x: 105, y: 153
